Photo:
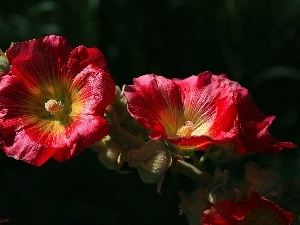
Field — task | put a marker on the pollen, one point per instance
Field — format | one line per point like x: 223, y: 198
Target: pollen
x: 186, y: 130
x: 53, y: 106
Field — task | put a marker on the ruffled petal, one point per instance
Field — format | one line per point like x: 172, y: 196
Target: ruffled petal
x: 21, y: 146
x: 81, y: 57
x: 263, y: 211
x: 82, y: 132
x: 225, y: 212
x: 38, y: 62
x: 253, y: 135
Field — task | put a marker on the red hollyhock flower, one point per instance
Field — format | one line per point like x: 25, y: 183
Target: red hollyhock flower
x: 53, y: 99
x: 192, y: 113
x: 200, y: 111
x: 256, y: 210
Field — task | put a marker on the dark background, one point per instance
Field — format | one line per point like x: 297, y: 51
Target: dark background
x: 257, y: 43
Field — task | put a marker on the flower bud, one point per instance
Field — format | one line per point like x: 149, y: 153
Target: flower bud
x: 223, y: 188
x: 120, y: 115
x: 109, y: 153
x: 151, y: 161
x: 120, y: 105
x: 4, y: 64
x: 265, y: 181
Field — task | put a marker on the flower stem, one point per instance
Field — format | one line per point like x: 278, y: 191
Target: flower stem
x: 125, y: 137
x: 194, y: 173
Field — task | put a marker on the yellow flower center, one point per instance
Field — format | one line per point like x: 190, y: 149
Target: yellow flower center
x: 186, y: 130
x: 54, y: 107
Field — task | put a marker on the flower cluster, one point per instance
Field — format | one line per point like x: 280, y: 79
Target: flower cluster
x: 55, y: 101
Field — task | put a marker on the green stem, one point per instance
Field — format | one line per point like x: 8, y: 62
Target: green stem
x: 194, y: 173
x: 125, y: 137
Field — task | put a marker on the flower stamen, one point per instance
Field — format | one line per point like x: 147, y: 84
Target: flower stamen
x: 186, y: 130
x: 54, y: 107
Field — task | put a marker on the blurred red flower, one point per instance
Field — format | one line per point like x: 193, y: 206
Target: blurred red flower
x: 52, y: 101
x: 256, y: 210
x: 201, y: 111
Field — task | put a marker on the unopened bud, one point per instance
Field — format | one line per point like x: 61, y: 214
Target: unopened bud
x: 120, y: 105
x: 4, y: 63
x: 151, y: 161
x: 109, y: 153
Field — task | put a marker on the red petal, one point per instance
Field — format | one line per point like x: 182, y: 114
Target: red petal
x: 225, y: 124
x: 153, y: 100
x: 259, y: 207
x: 95, y: 90
x: 193, y: 142
x: 205, y: 104
x: 12, y: 95
x: 82, y: 57
x: 253, y: 135
x: 34, y: 145
x: 21, y: 146
x: 38, y: 61
x: 83, y: 132
x: 225, y: 212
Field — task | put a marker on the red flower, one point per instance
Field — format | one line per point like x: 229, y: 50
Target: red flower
x: 200, y: 111
x: 256, y: 210
x: 53, y: 99
x: 192, y: 113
